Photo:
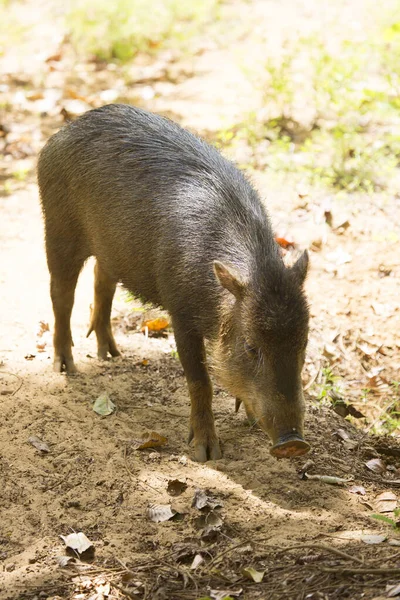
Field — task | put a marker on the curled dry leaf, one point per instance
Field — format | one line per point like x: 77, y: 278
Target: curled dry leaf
x: 250, y: 573
x: 202, y: 499
x: 376, y: 465
x: 373, y: 538
x: 149, y: 439
x: 357, y: 489
x: 158, y: 513
x: 209, y: 522
x: 344, y: 409
x: 345, y: 437
x: 39, y: 444
x: 386, y: 502
x: 104, y: 406
x: 64, y: 561
x: 176, y: 487
x: 79, y: 544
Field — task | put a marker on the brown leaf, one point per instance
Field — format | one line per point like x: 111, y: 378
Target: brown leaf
x: 39, y: 444
x: 202, y: 499
x: 159, y: 513
x: 376, y: 465
x: 209, y: 522
x: 221, y: 594
x: 176, y: 487
x: 386, y: 502
x: 373, y: 538
x: 357, y: 489
x: 149, y: 439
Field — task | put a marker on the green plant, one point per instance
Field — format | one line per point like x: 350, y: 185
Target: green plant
x: 394, y: 523
x: 328, y: 384
x: 119, y: 29
x: 330, y: 114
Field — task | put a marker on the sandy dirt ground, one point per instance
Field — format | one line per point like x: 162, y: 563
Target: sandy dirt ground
x: 91, y: 478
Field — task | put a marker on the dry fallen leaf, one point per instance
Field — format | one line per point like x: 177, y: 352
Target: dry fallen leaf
x: 209, y: 522
x: 159, y: 513
x: 176, y: 487
x: 393, y: 590
x: 283, y: 243
x: 357, y: 489
x: 250, y: 573
x: 79, y: 544
x: 221, y: 594
x: 345, y: 437
x: 373, y: 538
x: 64, y: 561
x: 158, y: 324
x: 376, y: 465
x: 104, y: 406
x: 386, y: 502
x: 39, y: 444
x: 198, y: 559
x: 202, y: 499
x: 149, y: 439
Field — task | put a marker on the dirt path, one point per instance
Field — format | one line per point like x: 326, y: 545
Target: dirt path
x: 92, y: 479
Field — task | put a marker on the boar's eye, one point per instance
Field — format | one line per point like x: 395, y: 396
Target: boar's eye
x: 250, y: 349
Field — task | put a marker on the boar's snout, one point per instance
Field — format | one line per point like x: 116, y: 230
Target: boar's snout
x: 290, y: 445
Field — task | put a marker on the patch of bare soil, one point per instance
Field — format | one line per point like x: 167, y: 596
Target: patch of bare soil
x: 271, y: 531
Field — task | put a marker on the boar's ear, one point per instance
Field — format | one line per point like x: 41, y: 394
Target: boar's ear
x: 300, y: 268
x: 229, y: 279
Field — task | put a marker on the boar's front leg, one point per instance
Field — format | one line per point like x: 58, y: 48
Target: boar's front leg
x: 192, y: 355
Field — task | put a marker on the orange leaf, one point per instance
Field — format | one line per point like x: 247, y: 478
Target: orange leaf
x: 155, y: 324
x: 284, y: 243
x: 150, y: 439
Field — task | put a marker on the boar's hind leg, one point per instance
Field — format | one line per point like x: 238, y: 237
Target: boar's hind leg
x: 193, y: 358
x: 100, y: 323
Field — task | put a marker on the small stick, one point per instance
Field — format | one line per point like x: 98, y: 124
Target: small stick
x: 124, y: 591
x: 18, y: 377
x: 328, y: 549
x: 214, y: 560
x: 371, y: 571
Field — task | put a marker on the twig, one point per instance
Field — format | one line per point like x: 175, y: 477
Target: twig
x: 214, y: 560
x: 327, y: 549
x: 368, y: 571
x: 124, y: 591
x: 18, y: 377
x: 313, y: 379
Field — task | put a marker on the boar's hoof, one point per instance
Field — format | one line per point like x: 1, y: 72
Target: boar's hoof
x: 211, y: 451
x: 206, y: 449
x: 68, y: 363
x: 289, y: 447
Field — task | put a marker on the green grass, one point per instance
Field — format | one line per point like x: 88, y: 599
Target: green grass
x: 120, y: 29
x: 331, y: 115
